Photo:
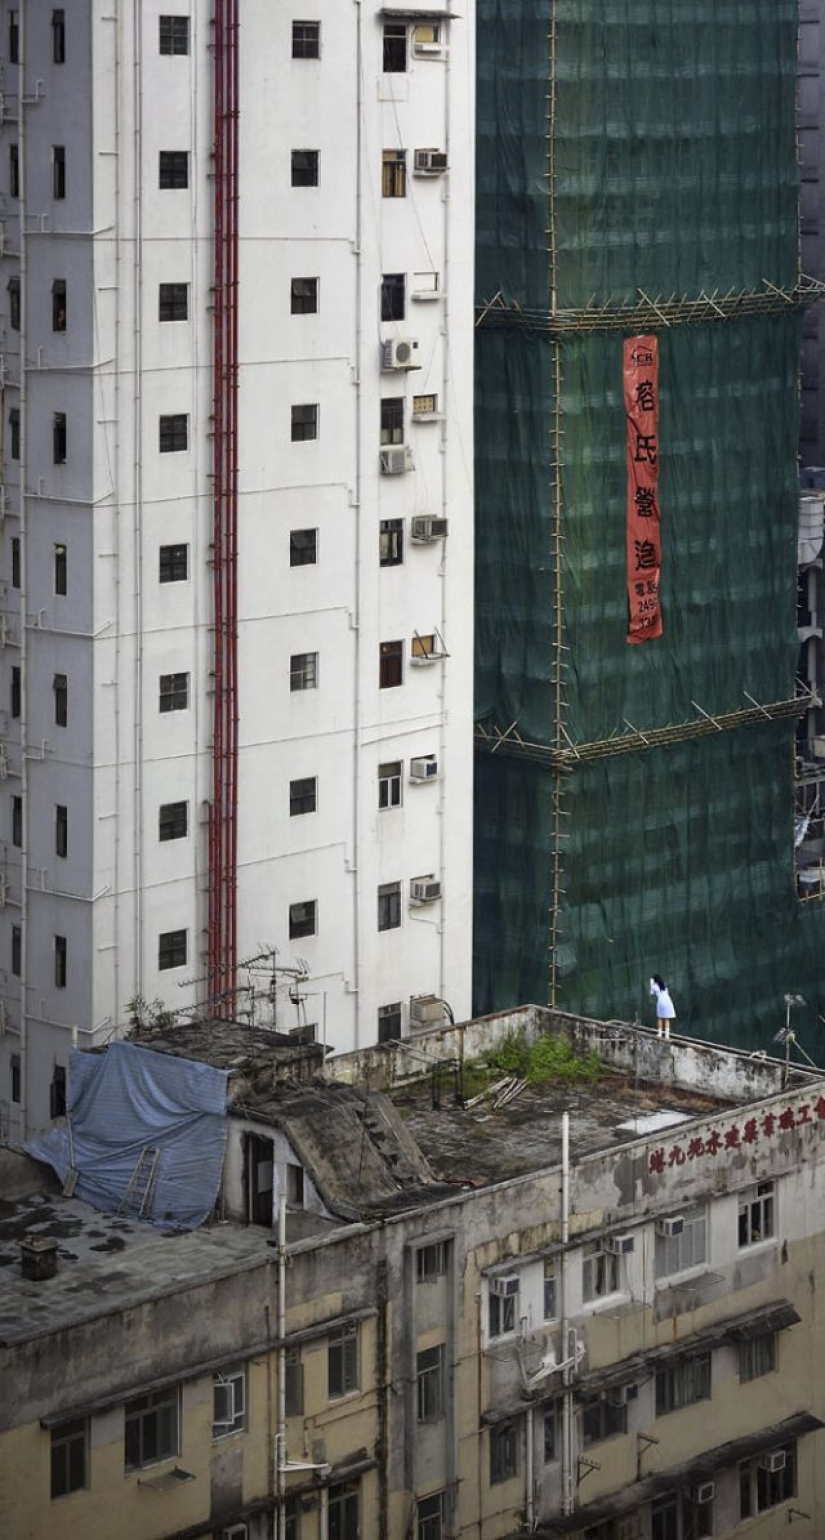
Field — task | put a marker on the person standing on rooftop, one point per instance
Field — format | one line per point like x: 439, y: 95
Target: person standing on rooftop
x: 665, y: 1010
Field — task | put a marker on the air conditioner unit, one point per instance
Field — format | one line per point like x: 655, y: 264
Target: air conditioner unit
x: 427, y: 50
x: 619, y: 1245
x: 424, y: 890
x: 426, y: 1010
x: 395, y: 461
x: 774, y: 1461
x: 424, y: 529
x: 704, y: 1492
x: 399, y: 353
x: 424, y: 768
x: 671, y: 1227
x: 504, y: 1285
x: 429, y: 163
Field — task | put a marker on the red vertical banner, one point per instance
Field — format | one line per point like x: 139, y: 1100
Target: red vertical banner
x: 644, y: 544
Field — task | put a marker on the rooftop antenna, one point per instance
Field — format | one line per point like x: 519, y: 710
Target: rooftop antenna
x: 786, y: 1034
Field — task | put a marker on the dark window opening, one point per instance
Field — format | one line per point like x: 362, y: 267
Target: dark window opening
x: 59, y: 36
x: 303, y: 796
x: 172, y: 949
x: 14, y: 171
x: 173, y: 692
x: 14, y: 303
x: 173, y: 564
x: 15, y: 562
x: 59, y: 438
x: 173, y: 821
x: 389, y: 1022
x: 173, y: 169
x: 61, y: 569
x: 390, y: 665
x: 173, y: 34
x: 173, y: 433
x: 392, y: 420
x: 389, y: 906
x: 60, y: 688
x: 303, y: 547
x: 304, y: 296
x: 395, y: 47
x: 389, y: 784
x: 342, y: 1361
x: 61, y: 958
x: 393, y: 296
x: 306, y: 39
x: 69, y: 1457
x: 304, y: 422
x: 305, y: 168
x: 151, y: 1428
x: 173, y: 302
x: 503, y: 1453
x: 14, y: 1065
x: 14, y: 433
x: 61, y: 831
x: 17, y: 821
x: 14, y: 703
x: 302, y: 919
x: 394, y: 174
x: 16, y: 950
x: 59, y: 171
x: 391, y: 542
x: 14, y: 38
x: 59, y: 305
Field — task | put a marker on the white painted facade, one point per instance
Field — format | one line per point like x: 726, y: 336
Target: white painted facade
x: 115, y: 104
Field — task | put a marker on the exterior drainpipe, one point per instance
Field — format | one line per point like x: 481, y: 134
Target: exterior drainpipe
x: 529, y: 1503
x: 24, y: 562
x: 356, y: 744
x: 280, y: 1458
x: 567, y: 1373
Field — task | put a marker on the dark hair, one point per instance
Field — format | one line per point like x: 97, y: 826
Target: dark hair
x: 657, y: 979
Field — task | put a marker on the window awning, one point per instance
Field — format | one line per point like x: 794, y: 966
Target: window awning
x: 419, y: 13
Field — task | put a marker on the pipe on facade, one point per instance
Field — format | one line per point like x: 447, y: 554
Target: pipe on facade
x: 280, y: 1442
x: 137, y: 519
x: 567, y: 1372
x: 23, y: 530
x: 529, y: 1500
x: 356, y: 704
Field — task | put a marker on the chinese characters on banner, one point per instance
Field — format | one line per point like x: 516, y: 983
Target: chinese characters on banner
x: 750, y: 1132
x: 644, y: 549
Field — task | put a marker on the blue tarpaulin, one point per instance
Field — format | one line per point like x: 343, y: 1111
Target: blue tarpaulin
x: 129, y: 1100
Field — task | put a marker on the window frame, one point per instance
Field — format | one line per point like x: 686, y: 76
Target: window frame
x: 343, y: 1376
x: 16, y: 959
x: 173, y: 433
x: 14, y: 170
x: 66, y: 1437
x: 58, y: 172
x: 138, y: 1413
x: 758, y: 1356
x: 550, y: 1289
x: 390, y: 781
x: 13, y: 291
x: 60, y: 298
x: 392, y: 421
x: 395, y: 48
x: 306, y: 39
x: 393, y: 296
x: 173, y: 693
x: 756, y: 1215
x: 173, y: 950
x: 233, y: 1380
x: 757, y: 1485
x: 305, y: 168
x: 430, y: 1516
x: 172, y: 31
x: 303, y: 301
x: 389, y: 1022
x: 61, y: 830
x: 14, y: 433
x: 173, y: 170
x: 683, y: 1384
x: 429, y: 1383
x: 173, y: 821
x: 601, y: 1277
x: 15, y: 691
x: 303, y: 672
x: 390, y: 665
x: 502, y: 1314
x: 303, y: 796
x: 602, y: 1420
x: 431, y: 1262
x: 61, y: 961
x: 389, y: 906
x: 303, y: 918
x: 173, y: 302
x: 393, y: 173
x: 294, y: 1382
x: 16, y: 569
x: 58, y: 35
x: 170, y: 558
x: 17, y: 822
x: 303, y: 551
x: 304, y: 422
x: 668, y: 1258
x: 504, y: 1453
x: 60, y: 693
x: 60, y: 438
x: 60, y: 568
x: 391, y: 543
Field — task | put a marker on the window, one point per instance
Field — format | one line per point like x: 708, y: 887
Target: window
x: 305, y: 168
x: 391, y: 543
x: 389, y: 784
x: 425, y: 406
x: 395, y: 47
x: 306, y: 39
x: 173, y: 169
x: 503, y: 1453
x: 429, y: 1375
x: 664, y: 1518
x: 601, y: 1420
x: 304, y: 296
x: 303, y: 796
x: 757, y: 1215
x: 59, y: 438
x: 682, y: 1384
x: 550, y: 1291
x: 70, y: 1444
x: 14, y: 703
x: 173, y: 693
x: 13, y: 290
x: 431, y: 1262
x: 173, y: 302
x: 294, y: 1383
x: 16, y: 950
x: 426, y: 33
x: 59, y: 171
x: 173, y: 433
x: 758, y: 1356
x: 14, y: 433
x: 172, y: 949
x: 14, y: 38
x: 60, y: 962
x: 151, y: 1428
x: 57, y: 1092
x: 14, y: 1066
x: 61, y: 831
x: 343, y: 1520
x: 173, y: 821
x: 389, y: 1022
x: 392, y: 420
x: 393, y: 297
x: 302, y: 919
x: 294, y: 1184
x: 60, y: 688
x: 389, y: 906
x: 173, y: 564
x: 173, y: 34
x: 342, y: 1361
x: 228, y: 1402
x: 17, y: 821
x: 303, y: 671
x: 697, y: 1517
x: 502, y: 1313
x: 60, y: 569
x: 767, y: 1481
x: 429, y: 1517
x: 394, y: 174
x: 59, y: 300
x: 304, y: 422
x: 550, y: 1440
x: 424, y: 646
x: 600, y: 1272
x: 675, y: 1254
x: 14, y: 171
x: 59, y: 36
x: 390, y: 665
x: 303, y: 547
x: 15, y: 561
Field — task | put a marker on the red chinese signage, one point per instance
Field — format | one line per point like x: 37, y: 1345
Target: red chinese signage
x: 644, y: 546
x: 753, y: 1131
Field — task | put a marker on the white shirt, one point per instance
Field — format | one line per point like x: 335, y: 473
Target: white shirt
x: 665, y: 1010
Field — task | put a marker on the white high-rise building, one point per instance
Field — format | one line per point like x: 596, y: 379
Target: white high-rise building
x: 236, y: 538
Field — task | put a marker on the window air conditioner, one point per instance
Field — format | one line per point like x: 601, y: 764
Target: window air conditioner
x: 399, y: 353
x: 424, y: 768
x: 395, y: 461
x: 671, y: 1227
x: 427, y: 50
x: 424, y: 890
x: 426, y: 1010
x: 704, y: 1492
x: 425, y: 529
x: 430, y: 163
x: 619, y: 1245
x: 504, y: 1286
x: 775, y: 1460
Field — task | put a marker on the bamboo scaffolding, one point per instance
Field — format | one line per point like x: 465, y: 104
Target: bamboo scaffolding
x: 647, y: 311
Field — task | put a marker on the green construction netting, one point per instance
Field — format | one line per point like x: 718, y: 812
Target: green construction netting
x: 674, y: 168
